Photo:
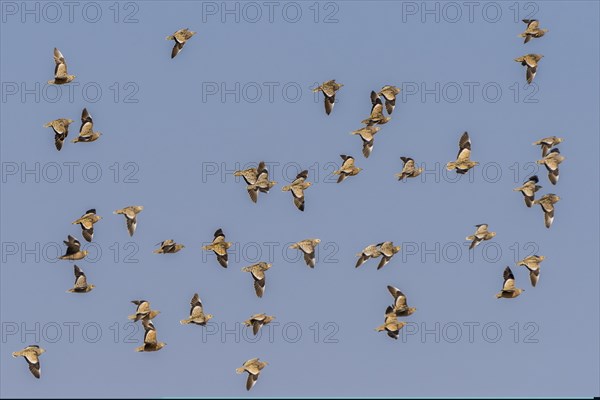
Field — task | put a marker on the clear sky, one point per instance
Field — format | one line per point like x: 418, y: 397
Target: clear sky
x: 239, y: 92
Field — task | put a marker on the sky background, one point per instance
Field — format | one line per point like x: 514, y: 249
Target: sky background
x: 171, y: 140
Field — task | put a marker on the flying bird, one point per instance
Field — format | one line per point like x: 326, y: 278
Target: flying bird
x: 532, y: 263
x: 86, y: 131
x: 548, y: 143
x: 347, y: 169
x: 509, y: 290
x: 531, y: 62
x: 250, y: 175
x: 463, y: 161
x: 32, y: 355
x: 262, y: 183
x: 409, y: 170
x: 60, y: 70
x: 258, y: 274
x: 257, y: 321
x: 329, y: 89
x: 387, y: 250
x: 197, y: 315
x: 547, y: 202
x: 389, y: 94
x: 87, y: 222
x: 297, y: 187
x: 400, y: 308
x: 371, y: 251
x: 391, y: 324
x: 367, y: 134
x: 376, y: 117
x: 81, y: 285
x: 551, y: 161
x: 74, y: 251
x: 533, y: 30
x: 143, y: 311
x: 308, y: 249
x: 150, y: 341
x: 130, y: 213
x: 61, y: 130
x: 168, y: 247
x: 219, y: 246
x: 180, y: 37
x: 253, y: 367
x: 480, y: 235
x: 528, y: 189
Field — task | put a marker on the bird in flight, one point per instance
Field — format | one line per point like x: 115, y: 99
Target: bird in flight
x: 60, y: 70
x: 297, y: 187
x: 32, y: 355
x: 61, y: 130
x: 74, y: 251
x: 347, y: 169
x: 533, y: 30
x: 509, y: 291
x: 528, y: 189
x: 547, y: 143
x: 531, y: 62
x: 197, y: 315
x: 258, y: 274
x: 463, y: 161
x: 547, y: 203
x: 257, y: 321
x: 81, y: 285
x: 151, y: 342
x: 219, y: 246
x: 307, y: 247
x: 180, y: 37
x: 86, y: 131
x: 130, y: 214
x: 532, y: 263
x: 551, y: 161
x: 87, y: 222
x: 409, y: 170
x: 480, y: 235
x: 253, y: 367
x: 168, y: 247
x: 329, y: 90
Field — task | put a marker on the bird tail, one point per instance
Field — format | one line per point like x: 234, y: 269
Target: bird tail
x: 498, y: 295
x: 75, y: 140
x: 140, y: 348
x: 133, y: 317
x: 470, y: 237
x: 239, y: 370
x: 285, y: 188
x: 451, y: 165
x: 185, y: 321
x: 169, y: 38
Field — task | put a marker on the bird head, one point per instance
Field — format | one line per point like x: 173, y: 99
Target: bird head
x: 85, y: 252
x: 317, y: 240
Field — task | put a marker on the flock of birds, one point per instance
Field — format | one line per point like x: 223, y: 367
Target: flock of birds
x: 257, y: 181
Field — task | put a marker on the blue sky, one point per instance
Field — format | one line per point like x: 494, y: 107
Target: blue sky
x: 171, y: 143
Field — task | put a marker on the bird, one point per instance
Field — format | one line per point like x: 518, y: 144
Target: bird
x: 74, y: 251
x: 143, y: 311
x: 347, y: 169
x: 130, y: 213
x: 367, y: 134
x: 533, y: 30
x: 250, y: 175
x: 400, y: 308
x: 297, y: 187
x: 168, y: 247
x: 376, y: 116
x: 307, y: 247
x: 387, y: 250
x: 389, y: 94
x: 87, y: 222
x: 480, y: 235
x: 371, y: 251
x: 180, y: 37
x: 81, y: 285
x: 257, y: 321
x: 463, y: 161
x: 329, y: 90
x: 258, y: 274
x: 509, y: 291
x: 409, y: 170
x: 391, y: 324
x: 547, y: 202
x: 61, y: 130
x: 532, y: 263
x: 551, y: 161
x: 253, y: 367
x: 531, y: 62
x: 219, y: 246
x: 150, y: 341
x: 32, y: 355
x: 262, y: 183
x: 528, y: 189
x: 60, y: 70
x: 547, y: 143
x: 197, y: 315
x: 86, y: 131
